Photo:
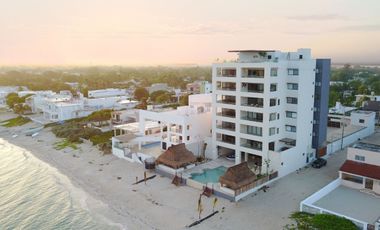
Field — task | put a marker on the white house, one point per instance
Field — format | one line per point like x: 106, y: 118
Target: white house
x: 268, y: 106
x: 38, y: 100
x: 101, y: 93
x: 187, y: 124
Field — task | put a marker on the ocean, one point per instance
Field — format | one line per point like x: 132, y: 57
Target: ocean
x: 35, y: 196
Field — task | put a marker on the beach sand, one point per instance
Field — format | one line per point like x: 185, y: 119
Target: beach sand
x: 107, y: 181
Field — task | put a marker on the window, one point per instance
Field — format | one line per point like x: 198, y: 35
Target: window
x: 188, y: 138
x: 269, y: 57
x: 352, y: 178
x: 278, y: 102
x: 273, y: 87
x: 271, y: 146
x: 254, y: 130
x: 290, y: 128
x: 359, y: 158
x: 292, y: 100
x: 293, y: 72
x: 291, y: 114
x: 272, y: 102
x: 272, y: 131
x: 272, y: 116
x: 273, y: 72
x: 292, y: 86
x: 361, y: 120
x: 188, y: 127
x: 301, y: 56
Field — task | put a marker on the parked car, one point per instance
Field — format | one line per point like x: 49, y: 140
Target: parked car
x: 318, y: 163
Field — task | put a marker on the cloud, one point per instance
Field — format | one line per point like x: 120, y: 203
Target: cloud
x: 317, y: 17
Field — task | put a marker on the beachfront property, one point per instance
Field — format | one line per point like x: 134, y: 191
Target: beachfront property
x: 38, y: 100
x: 270, y: 109
x: 102, y: 93
x: 119, y: 117
x: 355, y: 195
x: 159, y: 130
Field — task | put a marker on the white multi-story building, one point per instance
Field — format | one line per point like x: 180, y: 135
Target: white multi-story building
x: 267, y: 107
x: 187, y: 124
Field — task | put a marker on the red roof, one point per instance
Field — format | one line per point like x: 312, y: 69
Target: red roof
x: 362, y: 169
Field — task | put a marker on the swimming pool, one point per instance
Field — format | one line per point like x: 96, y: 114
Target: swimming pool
x: 209, y: 175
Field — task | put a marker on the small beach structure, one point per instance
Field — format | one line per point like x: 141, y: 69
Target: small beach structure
x: 238, y: 178
x: 176, y: 156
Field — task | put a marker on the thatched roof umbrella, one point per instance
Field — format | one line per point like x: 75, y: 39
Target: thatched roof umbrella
x: 238, y: 176
x: 176, y: 156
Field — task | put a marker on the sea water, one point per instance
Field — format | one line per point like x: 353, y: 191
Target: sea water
x: 35, y: 196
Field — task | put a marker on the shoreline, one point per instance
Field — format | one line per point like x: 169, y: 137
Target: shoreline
x: 107, y: 180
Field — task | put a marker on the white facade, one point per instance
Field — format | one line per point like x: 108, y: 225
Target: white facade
x: 61, y: 111
x: 263, y: 109
x: 38, y: 101
x: 371, y: 97
x: 188, y: 124
x: 106, y: 93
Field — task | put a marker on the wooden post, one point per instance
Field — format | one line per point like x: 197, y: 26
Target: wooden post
x: 145, y: 177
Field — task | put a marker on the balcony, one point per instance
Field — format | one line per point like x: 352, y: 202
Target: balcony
x: 225, y: 99
x: 227, y: 113
x: 229, y: 126
x: 251, y: 116
x: 251, y: 130
x: 225, y: 138
x: 252, y: 88
x: 227, y: 86
x: 256, y: 145
x: 252, y: 102
x: 226, y: 72
x: 252, y: 73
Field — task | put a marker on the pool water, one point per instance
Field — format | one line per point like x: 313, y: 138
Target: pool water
x: 209, y: 175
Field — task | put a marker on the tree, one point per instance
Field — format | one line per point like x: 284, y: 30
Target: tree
x: 163, y: 98
x: 363, y: 90
x: 141, y: 93
x: 184, y: 100
x: 12, y: 99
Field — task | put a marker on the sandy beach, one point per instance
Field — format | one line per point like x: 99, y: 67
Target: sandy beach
x: 107, y: 182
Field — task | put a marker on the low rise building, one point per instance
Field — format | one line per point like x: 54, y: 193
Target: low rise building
x: 102, y: 93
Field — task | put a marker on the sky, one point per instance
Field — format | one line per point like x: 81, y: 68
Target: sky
x: 183, y: 32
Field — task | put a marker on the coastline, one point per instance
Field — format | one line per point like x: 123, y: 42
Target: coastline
x: 159, y: 204
x: 94, y: 178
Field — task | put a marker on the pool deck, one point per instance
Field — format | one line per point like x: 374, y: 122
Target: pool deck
x: 208, y: 165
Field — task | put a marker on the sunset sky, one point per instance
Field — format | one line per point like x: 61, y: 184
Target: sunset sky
x: 167, y: 32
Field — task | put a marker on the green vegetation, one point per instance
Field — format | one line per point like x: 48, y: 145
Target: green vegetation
x: 65, y: 144
x: 160, y: 97
x: 184, y: 100
x: 17, y: 103
x: 73, y: 131
x: 141, y: 93
x: 18, y: 121
x: 102, y: 77
x: 353, y: 80
x: 307, y: 221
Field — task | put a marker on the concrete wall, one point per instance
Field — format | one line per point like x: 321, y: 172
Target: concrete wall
x: 371, y: 157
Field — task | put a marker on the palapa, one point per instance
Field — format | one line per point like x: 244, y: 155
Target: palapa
x: 176, y: 156
x: 238, y: 176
